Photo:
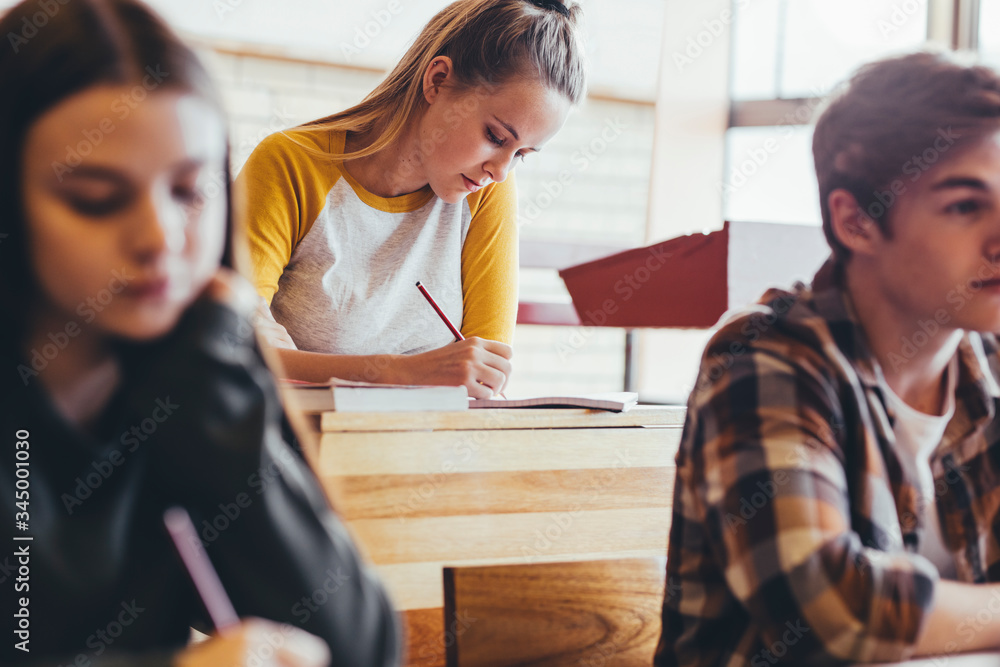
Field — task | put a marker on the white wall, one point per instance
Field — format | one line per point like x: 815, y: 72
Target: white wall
x: 623, y: 35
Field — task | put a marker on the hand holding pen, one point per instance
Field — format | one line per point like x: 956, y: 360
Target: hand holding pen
x: 491, y: 357
x: 237, y: 642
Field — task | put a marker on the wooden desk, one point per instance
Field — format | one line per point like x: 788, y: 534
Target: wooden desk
x: 486, y: 487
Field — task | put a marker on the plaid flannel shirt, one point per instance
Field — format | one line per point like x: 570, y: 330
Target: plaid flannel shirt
x: 795, y: 528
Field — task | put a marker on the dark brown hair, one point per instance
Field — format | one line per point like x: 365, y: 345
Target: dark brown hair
x: 894, y: 120
x: 47, y: 56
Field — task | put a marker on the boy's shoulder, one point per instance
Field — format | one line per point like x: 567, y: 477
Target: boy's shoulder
x: 787, y: 332
x: 779, y: 318
x: 811, y: 333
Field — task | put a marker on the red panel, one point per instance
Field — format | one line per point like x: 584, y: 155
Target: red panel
x: 559, y: 314
x: 682, y: 282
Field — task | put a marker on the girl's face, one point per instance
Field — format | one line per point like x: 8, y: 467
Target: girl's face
x: 125, y: 206
x: 469, y: 139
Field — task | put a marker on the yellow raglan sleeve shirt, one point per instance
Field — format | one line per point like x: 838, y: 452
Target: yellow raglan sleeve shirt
x: 285, y: 188
x: 490, y: 264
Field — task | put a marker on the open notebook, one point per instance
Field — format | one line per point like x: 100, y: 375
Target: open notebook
x: 619, y: 401
x: 349, y: 396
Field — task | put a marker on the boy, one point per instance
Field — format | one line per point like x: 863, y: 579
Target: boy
x: 838, y: 480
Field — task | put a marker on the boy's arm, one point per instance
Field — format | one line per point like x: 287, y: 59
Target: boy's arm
x: 955, y: 622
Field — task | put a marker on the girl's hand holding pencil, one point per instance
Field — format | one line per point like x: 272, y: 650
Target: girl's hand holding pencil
x: 474, y: 365
x: 254, y: 638
x: 238, y: 642
x: 482, y: 366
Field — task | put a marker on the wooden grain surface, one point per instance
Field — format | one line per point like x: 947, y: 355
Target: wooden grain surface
x: 425, y: 637
x: 421, y: 585
x: 506, y: 493
x: 448, y: 452
x: 511, y: 492
x: 603, y: 612
x: 433, y: 539
x: 519, y: 418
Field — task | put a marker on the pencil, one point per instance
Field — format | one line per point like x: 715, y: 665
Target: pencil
x: 444, y: 318
x: 204, y: 576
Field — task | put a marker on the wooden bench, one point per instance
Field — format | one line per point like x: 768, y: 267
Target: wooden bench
x: 589, y: 613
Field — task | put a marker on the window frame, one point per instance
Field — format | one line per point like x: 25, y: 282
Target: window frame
x: 955, y: 23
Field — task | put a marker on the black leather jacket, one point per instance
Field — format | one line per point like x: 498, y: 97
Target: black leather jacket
x: 196, y: 423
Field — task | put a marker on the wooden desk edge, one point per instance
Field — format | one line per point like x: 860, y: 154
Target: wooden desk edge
x: 523, y: 418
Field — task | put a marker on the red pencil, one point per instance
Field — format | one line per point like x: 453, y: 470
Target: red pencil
x: 455, y: 332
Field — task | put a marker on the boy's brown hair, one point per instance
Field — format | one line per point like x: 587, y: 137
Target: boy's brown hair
x: 896, y: 119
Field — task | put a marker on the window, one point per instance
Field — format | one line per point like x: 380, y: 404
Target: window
x: 787, y: 56
x: 770, y: 175
x: 988, y: 32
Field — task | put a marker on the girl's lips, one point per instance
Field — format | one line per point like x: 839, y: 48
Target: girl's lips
x: 149, y: 289
x: 471, y: 185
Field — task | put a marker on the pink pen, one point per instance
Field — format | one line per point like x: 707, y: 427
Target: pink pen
x: 204, y: 576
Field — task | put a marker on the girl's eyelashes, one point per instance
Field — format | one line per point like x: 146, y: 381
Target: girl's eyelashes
x: 500, y: 142
x: 96, y: 208
x: 494, y: 138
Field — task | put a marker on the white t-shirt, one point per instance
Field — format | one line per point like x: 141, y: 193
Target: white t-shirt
x: 917, y: 436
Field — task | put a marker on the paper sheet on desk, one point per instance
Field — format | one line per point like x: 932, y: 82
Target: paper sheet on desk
x: 955, y: 660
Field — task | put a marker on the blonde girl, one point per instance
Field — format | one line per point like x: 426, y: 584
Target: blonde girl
x: 413, y: 184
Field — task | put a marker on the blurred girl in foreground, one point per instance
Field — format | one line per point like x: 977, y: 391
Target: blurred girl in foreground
x: 130, y: 381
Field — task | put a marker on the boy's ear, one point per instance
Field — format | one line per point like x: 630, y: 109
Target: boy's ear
x: 855, y: 230
x: 437, y: 73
